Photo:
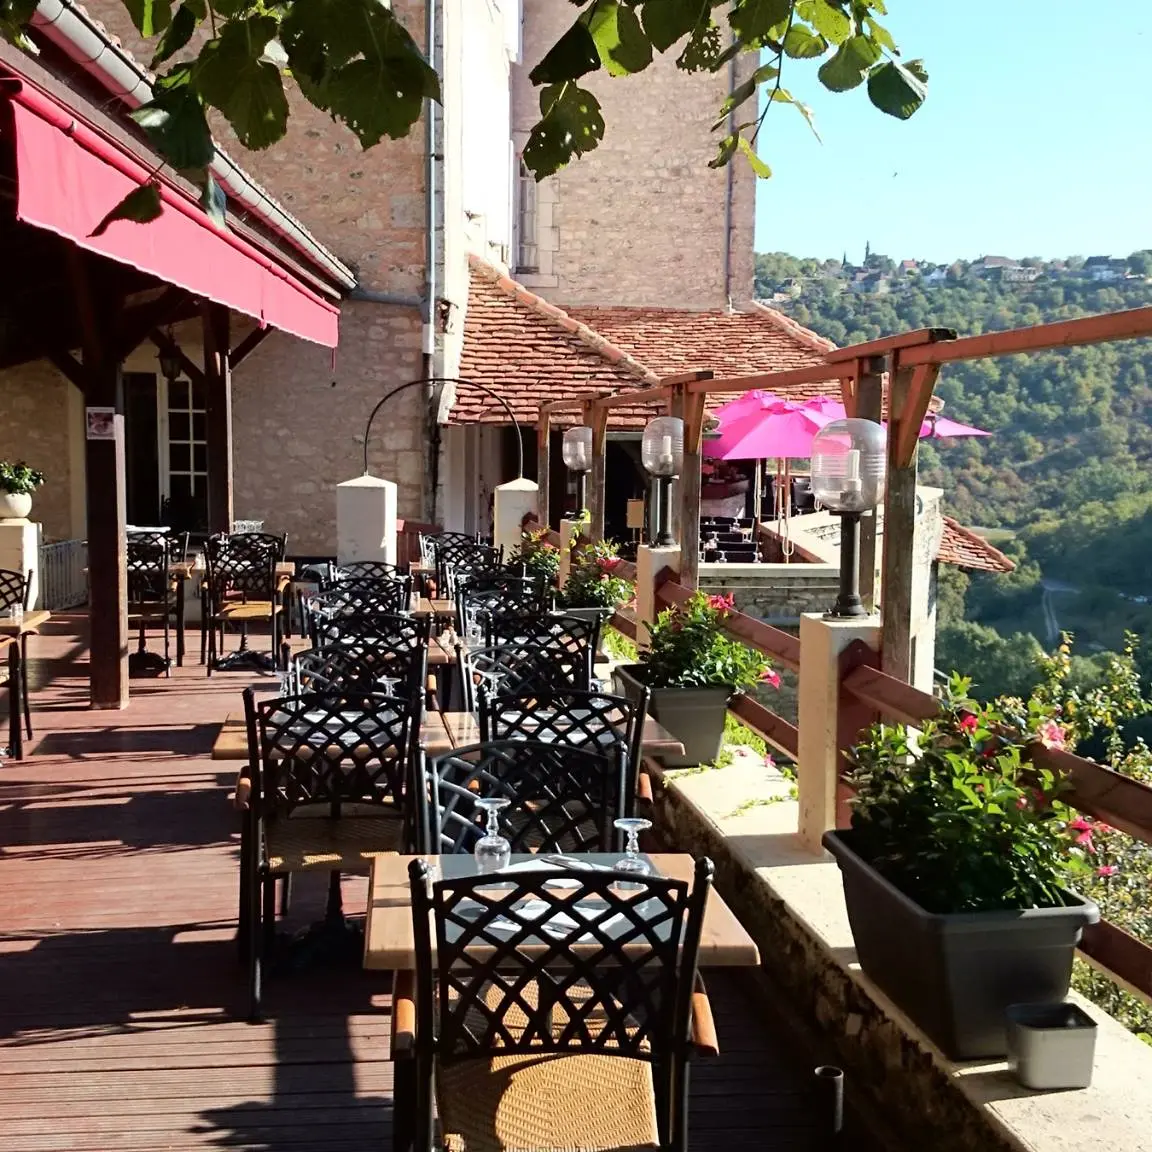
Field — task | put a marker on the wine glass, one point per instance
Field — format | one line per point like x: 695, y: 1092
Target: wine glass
x: 633, y: 863
x: 492, y: 851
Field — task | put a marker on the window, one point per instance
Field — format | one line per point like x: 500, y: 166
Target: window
x: 526, y: 259
x: 187, y: 494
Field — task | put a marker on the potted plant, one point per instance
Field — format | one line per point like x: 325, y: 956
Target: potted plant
x: 17, y: 483
x: 693, y: 667
x: 957, y: 868
x: 536, y: 556
x: 593, y: 588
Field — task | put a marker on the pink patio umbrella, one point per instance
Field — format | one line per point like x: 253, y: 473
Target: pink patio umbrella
x: 760, y: 426
x: 935, y: 427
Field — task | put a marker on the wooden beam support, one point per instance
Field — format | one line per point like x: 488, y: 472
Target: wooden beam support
x: 106, y: 486
x: 544, y: 469
x: 191, y: 370
x: 690, y: 487
x: 868, y: 404
x: 886, y: 345
x: 218, y: 401
x: 136, y: 323
x: 920, y: 389
x: 67, y: 365
x: 675, y: 408
x: 596, y: 418
x: 247, y: 346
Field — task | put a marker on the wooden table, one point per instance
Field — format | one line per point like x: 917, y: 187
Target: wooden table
x: 232, y: 742
x: 389, y: 943
x: 14, y: 636
x: 463, y: 729
x: 183, y: 570
x: 438, y: 609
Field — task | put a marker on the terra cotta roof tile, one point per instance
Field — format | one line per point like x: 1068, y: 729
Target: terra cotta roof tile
x: 964, y: 548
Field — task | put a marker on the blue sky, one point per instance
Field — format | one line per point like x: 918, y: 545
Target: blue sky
x: 1034, y: 140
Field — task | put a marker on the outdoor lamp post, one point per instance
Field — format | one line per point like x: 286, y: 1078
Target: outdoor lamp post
x: 848, y: 468
x: 576, y: 449
x: 662, y: 454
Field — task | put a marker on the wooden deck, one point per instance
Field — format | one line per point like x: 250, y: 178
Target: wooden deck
x: 119, y: 982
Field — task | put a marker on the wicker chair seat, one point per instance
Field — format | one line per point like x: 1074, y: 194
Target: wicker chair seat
x: 247, y: 610
x: 344, y: 844
x: 592, y: 1102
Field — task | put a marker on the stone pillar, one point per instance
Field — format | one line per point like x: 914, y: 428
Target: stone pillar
x: 20, y: 552
x: 822, y: 641
x: 650, y: 562
x: 366, y: 520
x: 511, y: 502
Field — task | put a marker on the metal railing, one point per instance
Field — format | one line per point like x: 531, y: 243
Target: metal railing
x: 63, y: 575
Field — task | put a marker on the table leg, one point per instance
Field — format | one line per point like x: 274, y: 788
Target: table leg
x: 180, y: 590
x: 15, y: 702
x: 403, y: 1104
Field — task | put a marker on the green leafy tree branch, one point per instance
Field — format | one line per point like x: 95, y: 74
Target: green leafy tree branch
x: 355, y: 60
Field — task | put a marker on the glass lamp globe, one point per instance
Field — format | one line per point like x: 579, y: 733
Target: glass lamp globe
x: 576, y: 449
x: 848, y: 465
x: 662, y: 448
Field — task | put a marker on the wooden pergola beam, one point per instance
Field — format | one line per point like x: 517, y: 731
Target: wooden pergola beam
x: 218, y: 402
x: 596, y: 418
x: 690, y: 479
x: 886, y: 345
x: 171, y: 348
x: 68, y: 366
x: 247, y: 346
x: 544, y: 469
x: 136, y: 323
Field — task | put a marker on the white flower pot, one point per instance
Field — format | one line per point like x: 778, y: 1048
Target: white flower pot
x: 15, y: 507
x: 1051, y: 1046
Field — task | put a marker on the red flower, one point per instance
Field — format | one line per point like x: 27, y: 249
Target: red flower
x: 608, y: 563
x: 1051, y: 735
x: 1106, y: 870
x: 1021, y: 801
x: 969, y: 723
x: 770, y: 676
x: 722, y: 603
x: 1081, y: 824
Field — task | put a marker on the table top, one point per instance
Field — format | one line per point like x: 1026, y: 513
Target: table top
x: 183, y: 569
x: 30, y: 622
x: 232, y: 741
x: 437, y: 607
x: 389, y: 943
x: 418, y: 566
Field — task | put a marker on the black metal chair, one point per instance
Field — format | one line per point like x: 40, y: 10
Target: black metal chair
x: 16, y: 591
x: 511, y: 670
x: 155, y: 596
x: 329, y: 789
x: 358, y: 570
x: 387, y: 596
x: 572, y: 641
x: 477, y: 597
x: 241, y: 588
x: 588, y: 1049
x: 456, y: 561
x: 562, y: 798
x: 396, y: 646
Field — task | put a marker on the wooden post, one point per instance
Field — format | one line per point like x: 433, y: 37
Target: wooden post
x: 544, y: 469
x: 597, y: 419
x: 869, y: 405
x: 909, y: 390
x: 675, y: 408
x: 218, y: 401
x: 105, y: 483
x: 690, y: 490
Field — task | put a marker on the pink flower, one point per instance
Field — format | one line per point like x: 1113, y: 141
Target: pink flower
x: 722, y: 603
x: 969, y: 723
x: 1021, y: 801
x: 770, y: 676
x: 608, y: 563
x: 1106, y: 870
x: 769, y: 761
x: 1051, y: 735
x: 1081, y: 824
x: 1100, y: 828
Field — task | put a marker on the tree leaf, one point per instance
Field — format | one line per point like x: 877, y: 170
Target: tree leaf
x: 755, y: 20
x: 832, y: 23
x: 725, y: 151
x: 14, y: 15
x: 667, y: 21
x: 151, y: 17
x: 758, y: 166
x: 898, y: 89
x: 571, y: 124
x: 230, y: 75
x: 178, y: 33
x: 746, y: 88
x: 572, y: 56
x: 705, y: 51
x: 364, y: 94
x: 142, y: 205
x: 620, y: 41
x: 802, y: 44
x: 880, y: 34
x: 175, y: 122
x: 843, y: 71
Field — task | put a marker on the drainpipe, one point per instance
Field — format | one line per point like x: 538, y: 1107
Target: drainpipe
x: 83, y: 42
x: 729, y: 179
x: 428, y: 365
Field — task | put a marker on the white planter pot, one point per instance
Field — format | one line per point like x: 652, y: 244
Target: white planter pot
x: 1051, y: 1046
x: 15, y: 507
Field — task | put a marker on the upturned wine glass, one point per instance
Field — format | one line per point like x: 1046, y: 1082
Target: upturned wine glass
x: 492, y: 851
x: 632, y: 863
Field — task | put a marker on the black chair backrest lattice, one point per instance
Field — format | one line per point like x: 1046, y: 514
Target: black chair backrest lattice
x: 15, y: 589
x: 243, y: 565
x: 571, y: 641
x: 620, y: 969
x: 478, y: 597
x: 592, y: 720
x: 361, y: 570
x: 512, y: 670
x: 389, y: 596
x: 396, y: 646
x: 340, y: 675
x: 560, y: 798
x: 150, y: 554
x: 456, y: 561
x: 316, y: 751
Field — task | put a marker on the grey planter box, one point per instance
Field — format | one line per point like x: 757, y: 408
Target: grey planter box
x: 695, y: 716
x: 956, y: 975
x: 1051, y: 1045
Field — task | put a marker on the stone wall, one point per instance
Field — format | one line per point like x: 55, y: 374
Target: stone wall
x: 776, y: 593
x: 639, y: 221
x: 36, y: 427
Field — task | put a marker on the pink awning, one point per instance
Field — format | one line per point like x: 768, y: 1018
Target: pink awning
x: 70, y: 176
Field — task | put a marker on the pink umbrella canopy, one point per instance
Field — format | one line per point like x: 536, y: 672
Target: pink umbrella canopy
x: 934, y: 427
x: 760, y: 426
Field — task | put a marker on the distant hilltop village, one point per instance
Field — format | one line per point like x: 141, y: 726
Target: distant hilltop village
x: 880, y: 275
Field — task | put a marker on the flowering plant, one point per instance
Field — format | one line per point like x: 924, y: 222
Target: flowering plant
x: 592, y: 580
x: 18, y: 479
x: 537, y: 556
x: 690, y: 648
x: 957, y: 818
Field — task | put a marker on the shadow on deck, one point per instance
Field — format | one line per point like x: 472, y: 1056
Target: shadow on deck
x: 119, y: 982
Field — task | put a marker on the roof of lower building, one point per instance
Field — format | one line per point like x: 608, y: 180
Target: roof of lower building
x: 528, y: 350
x: 966, y: 549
